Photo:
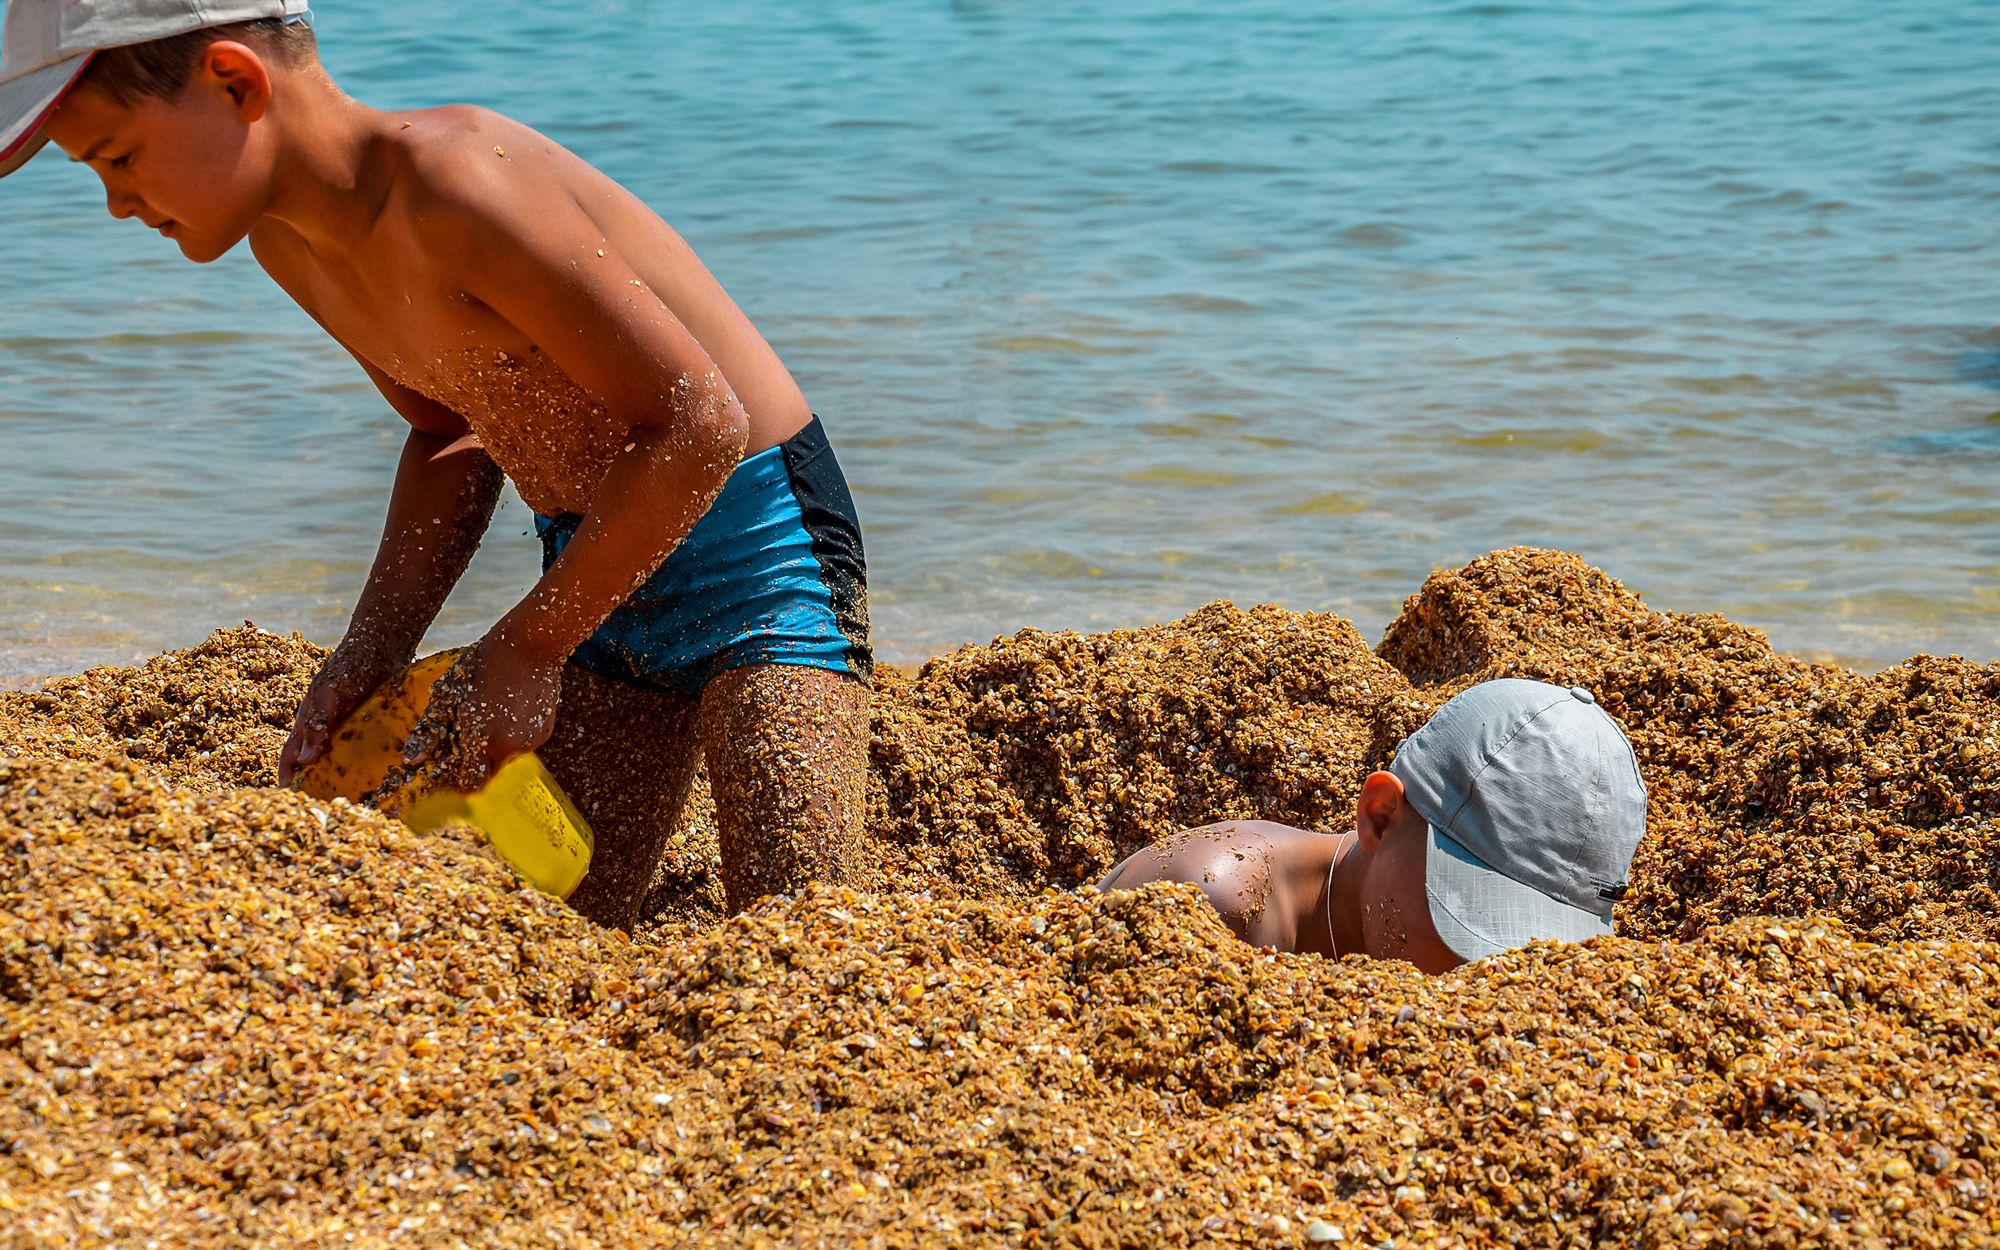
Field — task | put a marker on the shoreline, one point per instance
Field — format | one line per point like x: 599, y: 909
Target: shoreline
x: 33, y: 680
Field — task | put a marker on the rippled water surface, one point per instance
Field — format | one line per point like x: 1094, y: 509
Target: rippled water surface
x: 1112, y: 309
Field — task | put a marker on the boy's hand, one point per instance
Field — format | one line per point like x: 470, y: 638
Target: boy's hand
x: 492, y: 704
x: 356, y: 667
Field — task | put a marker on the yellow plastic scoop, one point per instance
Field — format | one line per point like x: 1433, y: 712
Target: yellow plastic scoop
x: 369, y: 742
x: 527, y: 818
x: 522, y: 811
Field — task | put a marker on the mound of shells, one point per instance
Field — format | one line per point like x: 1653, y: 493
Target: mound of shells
x: 1045, y: 758
x: 1776, y: 787
x: 233, y: 1016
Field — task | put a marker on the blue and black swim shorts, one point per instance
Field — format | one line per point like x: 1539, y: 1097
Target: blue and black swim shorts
x: 772, y: 573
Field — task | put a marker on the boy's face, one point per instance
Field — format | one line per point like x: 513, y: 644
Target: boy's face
x: 1396, y: 915
x: 1395, y: 910
x: 189, y: 167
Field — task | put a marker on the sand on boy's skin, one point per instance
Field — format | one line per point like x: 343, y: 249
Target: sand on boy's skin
x: 230, y: 1015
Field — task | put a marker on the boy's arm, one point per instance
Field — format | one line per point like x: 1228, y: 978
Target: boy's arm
x: 445, y: 491
x: 547, y: 272
x: 540, y: 262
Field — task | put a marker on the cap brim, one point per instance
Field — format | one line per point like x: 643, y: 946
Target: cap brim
x: 1481, y: 911
x: 25, y: 104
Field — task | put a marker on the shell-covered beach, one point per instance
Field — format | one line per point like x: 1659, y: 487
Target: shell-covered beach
x: 231, y: 1015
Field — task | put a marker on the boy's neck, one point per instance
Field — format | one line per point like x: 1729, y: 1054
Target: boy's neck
x: 1342, y: 911
x: 326, y: 185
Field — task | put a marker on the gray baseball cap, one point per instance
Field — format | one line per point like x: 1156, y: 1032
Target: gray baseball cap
x: 47, y: 44
x: 1535, y: 807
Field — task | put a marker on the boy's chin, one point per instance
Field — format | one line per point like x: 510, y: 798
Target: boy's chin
x: 201, y: 250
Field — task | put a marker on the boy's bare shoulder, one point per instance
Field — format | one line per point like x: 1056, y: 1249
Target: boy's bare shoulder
x: 1223, y: 859
x: 466, y: 170
x: 442, y: 142
x: 442, y: 162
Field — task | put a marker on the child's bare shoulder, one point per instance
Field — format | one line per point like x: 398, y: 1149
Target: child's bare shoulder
x: 445, y: 170
x: 470, y: 169
x: 445, y: 141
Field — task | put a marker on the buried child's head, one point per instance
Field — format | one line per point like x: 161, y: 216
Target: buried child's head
x: 1511, y: 816
x: 1531, y: 805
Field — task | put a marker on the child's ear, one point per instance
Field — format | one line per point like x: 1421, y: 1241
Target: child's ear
x: 1378, y: 808
x: 238, y: 70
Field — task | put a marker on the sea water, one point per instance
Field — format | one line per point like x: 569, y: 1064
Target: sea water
x: 1115, y: 308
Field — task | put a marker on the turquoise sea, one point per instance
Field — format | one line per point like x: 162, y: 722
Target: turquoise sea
x: 1115, y: 308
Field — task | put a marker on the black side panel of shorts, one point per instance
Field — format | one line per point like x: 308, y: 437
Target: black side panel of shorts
x: 827, y: 510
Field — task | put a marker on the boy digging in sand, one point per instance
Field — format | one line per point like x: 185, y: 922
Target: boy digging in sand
x: 703, y: 584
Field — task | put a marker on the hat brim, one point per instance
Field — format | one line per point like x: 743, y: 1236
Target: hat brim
x: 1480, y: 911
x: 25, y: 105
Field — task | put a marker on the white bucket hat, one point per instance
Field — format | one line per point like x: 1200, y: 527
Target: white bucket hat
x: 47, y: 44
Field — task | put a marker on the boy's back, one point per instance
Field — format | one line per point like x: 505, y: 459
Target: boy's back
x: 466, y: 201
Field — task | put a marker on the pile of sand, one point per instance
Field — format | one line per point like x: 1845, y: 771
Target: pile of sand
x: 210, y: 717
x: 1776, y: 787
x: 230, y: 1015
x: 1045, y: 758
